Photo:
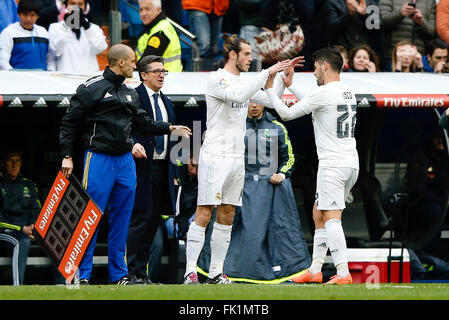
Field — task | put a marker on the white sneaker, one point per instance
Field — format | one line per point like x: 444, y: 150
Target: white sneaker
x: 191, y: 278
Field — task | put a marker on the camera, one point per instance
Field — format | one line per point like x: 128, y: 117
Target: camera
x: 412, y: 5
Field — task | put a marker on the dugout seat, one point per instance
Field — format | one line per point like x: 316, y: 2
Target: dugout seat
x: 15, y: 256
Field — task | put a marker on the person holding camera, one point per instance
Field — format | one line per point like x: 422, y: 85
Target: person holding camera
x: 406, y: 58
x: 413, y: 20
x: 76, y: 41
x: 436, y: 58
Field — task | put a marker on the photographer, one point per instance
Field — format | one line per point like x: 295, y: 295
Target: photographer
x: 406, y: 58
x: 76, y: 41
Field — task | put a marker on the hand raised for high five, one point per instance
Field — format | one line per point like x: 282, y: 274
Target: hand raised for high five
x: 280, y: 66
x: 287, y: 77
x: 288, y: 66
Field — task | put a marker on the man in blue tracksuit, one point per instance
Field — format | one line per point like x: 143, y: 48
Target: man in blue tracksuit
x: 108, y: 109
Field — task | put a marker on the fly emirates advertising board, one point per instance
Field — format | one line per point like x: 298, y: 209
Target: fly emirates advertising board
x: 66, y: 224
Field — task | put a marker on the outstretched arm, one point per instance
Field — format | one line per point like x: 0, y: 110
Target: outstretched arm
x: 299, y: 109
x: 241, y: 91
x: 281, y: 81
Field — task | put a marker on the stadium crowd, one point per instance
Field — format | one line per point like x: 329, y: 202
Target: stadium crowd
x: 58, y: 33
x: 372, y: 36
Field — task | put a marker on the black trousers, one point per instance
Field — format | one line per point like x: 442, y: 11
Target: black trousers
x: 144, y: 223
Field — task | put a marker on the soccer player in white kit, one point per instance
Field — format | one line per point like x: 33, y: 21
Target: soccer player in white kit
x: 333, y: 107
x: 221, y: 166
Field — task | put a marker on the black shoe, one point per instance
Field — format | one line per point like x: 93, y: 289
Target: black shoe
x: 219, y: 279
x: 140, y: 280
x: 124, y: 281
x: 83, y: 282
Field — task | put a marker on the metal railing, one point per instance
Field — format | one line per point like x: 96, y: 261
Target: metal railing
x: 191, y: 40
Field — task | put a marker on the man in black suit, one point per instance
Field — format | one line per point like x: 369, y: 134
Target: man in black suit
x: 155, y: 193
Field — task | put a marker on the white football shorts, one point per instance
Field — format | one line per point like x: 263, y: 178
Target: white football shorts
x: 333, y: 185
x: 220, y: 179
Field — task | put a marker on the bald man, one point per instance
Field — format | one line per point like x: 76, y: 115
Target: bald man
x: 107, y: 109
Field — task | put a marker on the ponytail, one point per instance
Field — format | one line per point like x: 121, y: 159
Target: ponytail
x: 232, y: 43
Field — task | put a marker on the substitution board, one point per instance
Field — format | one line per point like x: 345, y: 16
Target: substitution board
x: 66, y: 224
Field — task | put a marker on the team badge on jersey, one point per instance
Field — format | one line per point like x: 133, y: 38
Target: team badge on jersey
x: 26, y: 192
x: 218, y: 196
x: 154, y: 42
x: 223, y: 82
x: 267, y: 135
x: 128, y: 97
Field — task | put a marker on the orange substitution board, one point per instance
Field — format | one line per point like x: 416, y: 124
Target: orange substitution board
x: 66, y: 224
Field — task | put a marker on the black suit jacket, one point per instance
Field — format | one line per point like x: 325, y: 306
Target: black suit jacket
x: 143, y: 199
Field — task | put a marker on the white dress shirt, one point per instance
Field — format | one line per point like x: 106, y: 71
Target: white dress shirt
x: 163, y: 155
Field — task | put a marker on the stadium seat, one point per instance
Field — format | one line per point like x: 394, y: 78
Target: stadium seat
x: 15, y: 256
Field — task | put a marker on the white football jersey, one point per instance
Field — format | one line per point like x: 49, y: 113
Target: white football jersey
x: 333, y: 107
x: 227, y: 99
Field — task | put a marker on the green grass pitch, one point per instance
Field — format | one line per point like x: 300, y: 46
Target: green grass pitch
x: 405, y: 291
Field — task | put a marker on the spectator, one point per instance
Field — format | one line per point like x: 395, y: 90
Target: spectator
x: 347, y: 22
x: 76, y: 41
x: 400, y: 21
x: 8, y: 12
x: 406, y: 58
x: 101, y: 10
x: 292, y: 13
x: 24, y: 45
x: 205, y: 20
x: 436, y: 57
x: 252, y: 21
x: 19, y: 204
x: 173, y: 9
x: 362, y: 58
x: 268, y: 206
x: 288, y: 11
x: 155, y: 192
x: 159, y: 36
x: 106, y: 109
x: 344, y: 55
x: 48, y: 14
x: 129, y: 10
x: 442, y: 20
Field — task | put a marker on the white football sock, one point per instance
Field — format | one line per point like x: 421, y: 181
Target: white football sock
x: 219, y: 244
x: 194, y: 245
x: 337, y: 244
x: 319, y: 250
x: 342, y: 269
